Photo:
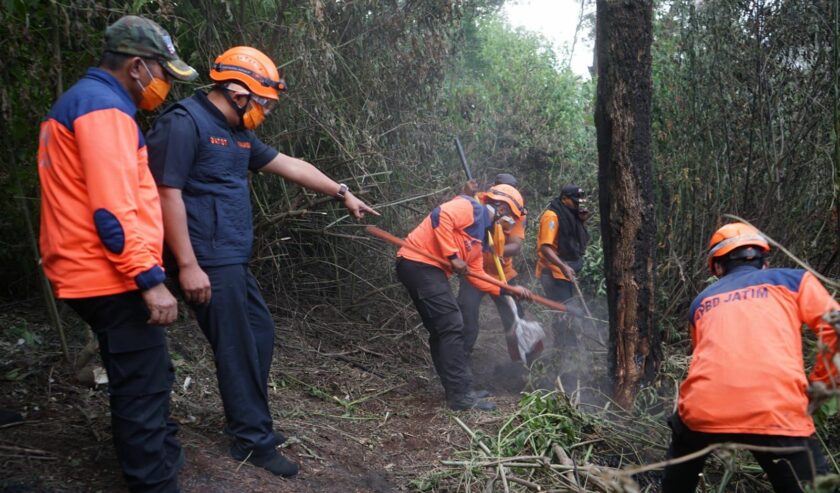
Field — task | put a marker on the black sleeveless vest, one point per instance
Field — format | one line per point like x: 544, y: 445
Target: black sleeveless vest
x: 216, y: 194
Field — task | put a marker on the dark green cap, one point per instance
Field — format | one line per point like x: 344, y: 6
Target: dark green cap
x: 133, y: 35
x: 506, y: 179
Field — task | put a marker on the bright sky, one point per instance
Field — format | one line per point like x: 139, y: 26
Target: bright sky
x: 556, y: 20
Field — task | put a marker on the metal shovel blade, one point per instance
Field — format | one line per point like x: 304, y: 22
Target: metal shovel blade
x: 525, y: 337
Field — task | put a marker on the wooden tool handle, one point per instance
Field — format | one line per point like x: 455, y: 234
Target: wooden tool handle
x: 384, y: 235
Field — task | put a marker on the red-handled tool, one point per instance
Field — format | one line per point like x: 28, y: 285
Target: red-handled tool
x: 384, y: 235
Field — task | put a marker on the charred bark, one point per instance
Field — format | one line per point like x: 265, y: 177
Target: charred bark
x: 624, y: 33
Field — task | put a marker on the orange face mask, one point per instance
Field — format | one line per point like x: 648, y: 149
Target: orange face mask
x: 155, y: 93
x: 499, y: 239
x: 254, y: 117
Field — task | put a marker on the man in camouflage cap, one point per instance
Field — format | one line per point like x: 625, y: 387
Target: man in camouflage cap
x: 102, y: 238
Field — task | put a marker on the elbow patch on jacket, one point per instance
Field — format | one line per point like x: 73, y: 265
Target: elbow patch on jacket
x: 435, y: 215
x: 150, y: 278
x: 110, y: 230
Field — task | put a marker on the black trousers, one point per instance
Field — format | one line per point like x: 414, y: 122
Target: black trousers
x: 240, y: 330
x: 556, y: 289
x: 140, y: 376
x: 560, y: 290
x: 469, y: 301
x: 784, y: 470
x: 429, y: 289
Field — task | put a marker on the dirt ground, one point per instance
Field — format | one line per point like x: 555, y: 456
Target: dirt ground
x: 359, y: 402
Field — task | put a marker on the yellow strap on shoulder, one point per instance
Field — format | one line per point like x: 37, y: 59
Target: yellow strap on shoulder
x: 496, y: 260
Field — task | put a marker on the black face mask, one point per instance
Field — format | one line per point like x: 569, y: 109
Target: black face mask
x: 575, y: 203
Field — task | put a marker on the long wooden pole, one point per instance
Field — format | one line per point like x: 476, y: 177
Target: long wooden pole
x: 496, y: 261
x: 46, y: 288
x: 384, y: 235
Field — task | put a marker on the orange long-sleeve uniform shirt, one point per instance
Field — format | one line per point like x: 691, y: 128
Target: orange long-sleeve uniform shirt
x: 518, y: 231
x: 547, y: 235
x: 747, y: 372
x: 101, y: 224
x: 457, y: 228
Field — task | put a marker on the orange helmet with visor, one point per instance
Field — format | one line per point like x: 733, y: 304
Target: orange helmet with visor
x: 251, y: 68
x: 510, y: 196
x: 733, y: 236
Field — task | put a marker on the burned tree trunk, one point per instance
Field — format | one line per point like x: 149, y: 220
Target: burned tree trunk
x: 623, y: 118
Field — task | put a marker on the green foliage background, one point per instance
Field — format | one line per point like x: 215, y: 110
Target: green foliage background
x: 378, y: 90
x: 745, y: 96
x: 744, y: 122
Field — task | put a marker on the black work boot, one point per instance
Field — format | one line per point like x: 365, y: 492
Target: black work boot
x: 270, y: 460
x: 469, y: 401
x: 481, y: 394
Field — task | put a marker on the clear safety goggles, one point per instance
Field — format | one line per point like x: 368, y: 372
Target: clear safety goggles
x: 267, y: 104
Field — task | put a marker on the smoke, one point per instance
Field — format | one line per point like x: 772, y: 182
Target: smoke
x: 575, y: 353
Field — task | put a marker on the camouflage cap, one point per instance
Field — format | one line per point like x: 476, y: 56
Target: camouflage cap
x: 133, y: 35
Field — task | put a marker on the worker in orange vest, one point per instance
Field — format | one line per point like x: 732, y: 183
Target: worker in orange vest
x: 510, y: 244
x: 561, y: 243
x: 746, y: 382
x: 456, y: 231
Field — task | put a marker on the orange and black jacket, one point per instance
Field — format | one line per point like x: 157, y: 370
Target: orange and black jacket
x: 101, y: 225
x: 747, y: 371
x: 455, y: 228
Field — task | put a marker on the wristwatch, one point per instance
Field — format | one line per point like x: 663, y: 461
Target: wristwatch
x: 342, y: 190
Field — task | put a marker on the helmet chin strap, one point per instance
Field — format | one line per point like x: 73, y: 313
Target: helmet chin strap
x: 239, y: 111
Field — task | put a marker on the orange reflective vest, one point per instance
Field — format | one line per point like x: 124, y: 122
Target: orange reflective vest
x: 457, y: 227
x: 747, y: 372
x: 518, y: 231
x: 101, y: 224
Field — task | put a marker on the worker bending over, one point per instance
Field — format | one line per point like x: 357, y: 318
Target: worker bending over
x: 510, y: 244
x: 746, y: 382
x: 455, y: 231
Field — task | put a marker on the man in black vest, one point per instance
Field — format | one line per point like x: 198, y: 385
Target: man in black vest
x: 200, y: 151
x: 561, y: 244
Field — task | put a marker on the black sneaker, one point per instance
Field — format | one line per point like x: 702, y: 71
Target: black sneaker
x: 469, y: 401
x: 481, y: 394
x: 271, y: 461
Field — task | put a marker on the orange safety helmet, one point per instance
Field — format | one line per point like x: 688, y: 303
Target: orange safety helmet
x: 250, y: 67
x: 732, y: 236
x: 510, y: 196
